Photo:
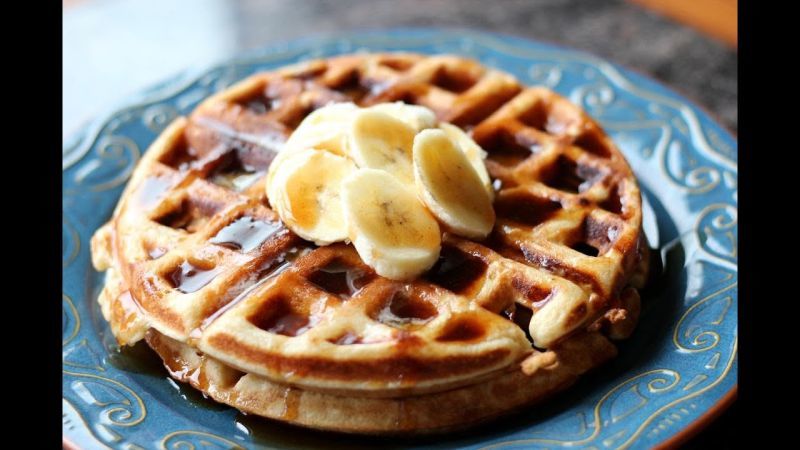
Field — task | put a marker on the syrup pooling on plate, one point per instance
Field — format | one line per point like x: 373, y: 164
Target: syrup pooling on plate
x: 245, y: 234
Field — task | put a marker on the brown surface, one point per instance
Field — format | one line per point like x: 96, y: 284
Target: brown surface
x: 717, y: 18
x: 691, y: 431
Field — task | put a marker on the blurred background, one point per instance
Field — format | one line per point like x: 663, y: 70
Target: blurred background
x: 113, y: 48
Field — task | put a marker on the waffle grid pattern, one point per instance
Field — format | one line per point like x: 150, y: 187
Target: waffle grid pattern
x: 209, y: 263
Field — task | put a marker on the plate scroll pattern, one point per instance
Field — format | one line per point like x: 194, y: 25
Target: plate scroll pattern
x: 683, y: 160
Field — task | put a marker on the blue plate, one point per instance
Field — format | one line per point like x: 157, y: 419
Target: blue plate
x: 675, y: 373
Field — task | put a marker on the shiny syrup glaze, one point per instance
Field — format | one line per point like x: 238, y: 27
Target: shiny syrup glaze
x: 340, y: 279
x: 156, y: 252
x: 510, y: 150
x: 404, y: 311
x: 288, y: 324
x: 350, y: 338
x: 234, y: 173
x: 126, y: 310
x: 563, y: 176
x: 152, y: 190
x: 188, y: 278
x: 291, y: 403
x: 245, y: 234
x: 268, y: 272
x: 347, y: 338
x: 278, y: 317
x: 527, y: 210
x: 181, y: 156
x: 521, y: 316
x: 456, y: 270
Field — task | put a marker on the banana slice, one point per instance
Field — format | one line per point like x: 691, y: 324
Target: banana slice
x: 475, y: 154
x: 450, y: 187
x: 324, y: 129
x: 418, y: 117
x: 306, y: 195
x: 379, y: 141
x: 389, y: 227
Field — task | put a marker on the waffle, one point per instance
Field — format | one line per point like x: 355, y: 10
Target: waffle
x: 255, y: 317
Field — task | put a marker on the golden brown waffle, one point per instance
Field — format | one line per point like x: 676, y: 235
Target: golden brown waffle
x: 257, y: 318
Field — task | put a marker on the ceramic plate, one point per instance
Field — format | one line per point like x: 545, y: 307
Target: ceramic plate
x: 675, y: 373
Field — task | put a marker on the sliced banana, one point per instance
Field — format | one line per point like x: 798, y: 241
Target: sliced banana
x: 450, y: 187
x: 388, y: 225
x: 379, y: 141
x: 305, y: 192
x: 418, y: 117
x: 324, y: 129
x: 475, y: 154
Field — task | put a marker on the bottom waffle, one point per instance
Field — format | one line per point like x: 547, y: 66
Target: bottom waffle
x: 539, y: 377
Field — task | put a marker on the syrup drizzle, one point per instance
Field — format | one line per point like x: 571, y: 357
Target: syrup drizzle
x: 156, y: 252
x: 456, y: 270
x: 348, y: 339
x: 402, y: 311
x: 340, y: 279
x: 188, y: 278
x: 152, y: 190
x: 289, y: 324
x: 236, y: 180
x: 521, y: 316
x: 270, y: 271
x: 126, y: 310
x: 245, y: 234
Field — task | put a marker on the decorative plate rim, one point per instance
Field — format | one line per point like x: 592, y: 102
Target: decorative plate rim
x: 77, y: 145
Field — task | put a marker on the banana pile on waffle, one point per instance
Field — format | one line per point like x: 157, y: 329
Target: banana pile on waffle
x: 381, y: 177
x: 377, y: 243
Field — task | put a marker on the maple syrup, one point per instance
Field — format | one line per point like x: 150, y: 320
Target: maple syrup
x: 526, y: 209
x: 128, y: 310
x: 340, y: 279
x: 278, y: 317
x: 456, y: 270
x: 403, y: 310
x: 521, y: 316
x: 271, y: 270
x: 245, y: 234
x: 188, y: 278
x: 347, y: 339
x: 152, y: 190
x: 289, y: 324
